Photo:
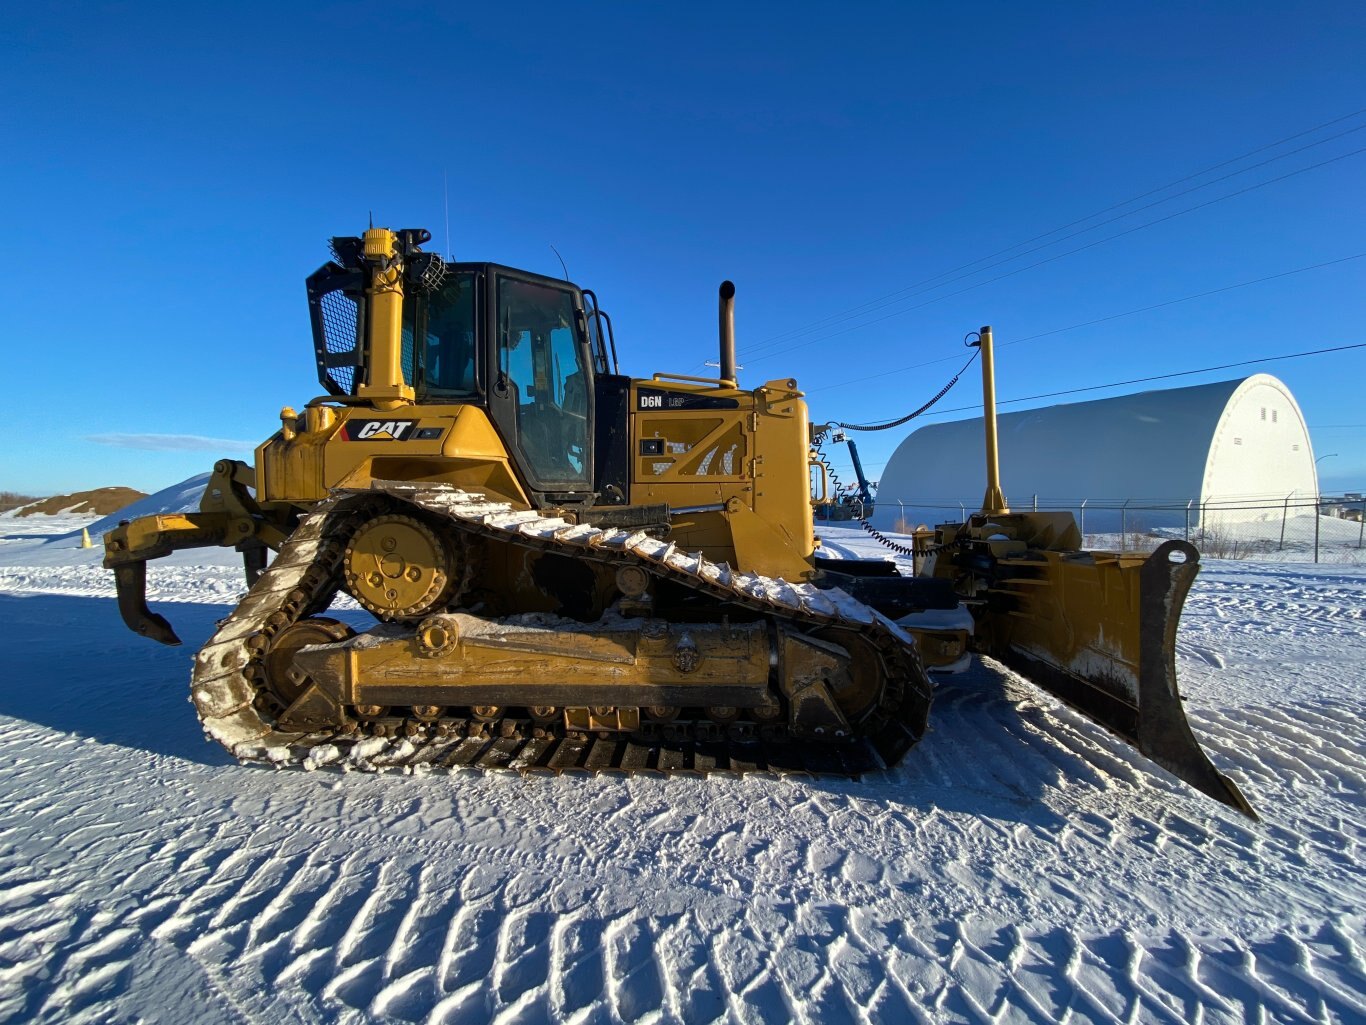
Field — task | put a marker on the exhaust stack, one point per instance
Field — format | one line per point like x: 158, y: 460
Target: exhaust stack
x: 727, y: 318
x: 993, y: 503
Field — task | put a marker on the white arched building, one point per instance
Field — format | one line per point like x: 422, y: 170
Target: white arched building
x: 1167, y: 454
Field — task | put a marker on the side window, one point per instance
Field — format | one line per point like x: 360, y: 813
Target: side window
x: 541, y: 365
x: 406, y: 351
x: 518, y: 366
x: 449, y: 349
x: 564, y: 354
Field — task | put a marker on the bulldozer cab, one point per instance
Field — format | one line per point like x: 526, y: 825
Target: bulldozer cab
x: 524, y: 347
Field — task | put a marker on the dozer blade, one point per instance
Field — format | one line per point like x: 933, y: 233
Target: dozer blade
x: 1098, y: 630
x: 130, y: 579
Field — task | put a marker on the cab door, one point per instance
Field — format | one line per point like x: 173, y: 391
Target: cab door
x: 540, y: 384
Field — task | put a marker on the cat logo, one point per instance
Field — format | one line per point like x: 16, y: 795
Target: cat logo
x: 378, y: 430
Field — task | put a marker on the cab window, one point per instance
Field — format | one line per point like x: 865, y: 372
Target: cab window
x: 542, y: 368
x: 445, y: 322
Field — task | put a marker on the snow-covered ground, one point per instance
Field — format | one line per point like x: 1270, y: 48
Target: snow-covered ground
x: 1338, y: 540
x: 1020, y: 865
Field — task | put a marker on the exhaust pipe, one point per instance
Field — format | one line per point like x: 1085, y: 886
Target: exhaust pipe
x: 727, y: 316
x: 993, y: 502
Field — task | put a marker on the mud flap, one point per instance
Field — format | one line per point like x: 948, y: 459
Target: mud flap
x: 1099, y: 632
x: 130, y: 580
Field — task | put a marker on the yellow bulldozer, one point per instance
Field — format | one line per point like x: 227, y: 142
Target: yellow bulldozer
x: 571, y: 568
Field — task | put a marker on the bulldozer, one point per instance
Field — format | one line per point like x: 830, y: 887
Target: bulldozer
x: 568, y: 568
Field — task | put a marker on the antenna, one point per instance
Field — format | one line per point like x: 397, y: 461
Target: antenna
x: 446, y: 189
x: 561, y: 259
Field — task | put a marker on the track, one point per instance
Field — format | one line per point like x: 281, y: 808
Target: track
x: 229, y: 691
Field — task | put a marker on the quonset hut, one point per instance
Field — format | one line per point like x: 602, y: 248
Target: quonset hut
x: 1154, y: 459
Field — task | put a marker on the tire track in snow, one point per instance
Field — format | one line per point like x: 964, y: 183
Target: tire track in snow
x: 1019, y: 866
x: 503, y: 953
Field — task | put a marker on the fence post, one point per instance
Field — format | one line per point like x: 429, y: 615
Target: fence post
x: 1187, y: 535
x: 1361, y: 530
x: 1317, y: 500
x: 1285, y: 514
x: 1036, y: 503
x: 1124, y: 525
x: 1082, y: 525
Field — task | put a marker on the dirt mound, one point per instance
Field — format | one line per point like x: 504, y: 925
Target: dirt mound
x: 99, y: 502
x: 13, y: 500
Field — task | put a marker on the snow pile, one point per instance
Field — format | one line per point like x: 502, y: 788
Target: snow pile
x: 1019, y: 865
x: 182, y: 497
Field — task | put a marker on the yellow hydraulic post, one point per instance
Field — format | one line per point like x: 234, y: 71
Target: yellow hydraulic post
x: 993, y: 503
x: 384, y: 384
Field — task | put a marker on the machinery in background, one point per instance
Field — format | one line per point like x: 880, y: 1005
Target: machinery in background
x: 850, y: 501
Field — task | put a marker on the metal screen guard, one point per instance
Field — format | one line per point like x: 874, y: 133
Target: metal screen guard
x: 335, y: 304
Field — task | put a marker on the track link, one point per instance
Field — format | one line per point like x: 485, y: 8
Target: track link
x: 228, y: 684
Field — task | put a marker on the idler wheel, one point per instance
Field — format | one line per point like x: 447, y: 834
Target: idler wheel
x: 857, y: 688
x: 284, y: 680
x: 398, y: 567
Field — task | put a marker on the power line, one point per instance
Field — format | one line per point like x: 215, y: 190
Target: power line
x: 1149, y: 206
x: 1158, y: 377
x: 885, y: 373
x: 1113, y: 316
x: 1183, y: 299
x: 1188, y: 373
x: 1152, y: 192
x: 1129, y: 213
x: 1059, y: 256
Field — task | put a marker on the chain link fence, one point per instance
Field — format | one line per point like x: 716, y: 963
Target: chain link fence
x: 1289, y: 529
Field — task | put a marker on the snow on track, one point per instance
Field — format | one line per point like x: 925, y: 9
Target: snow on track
x: 1019, y: 865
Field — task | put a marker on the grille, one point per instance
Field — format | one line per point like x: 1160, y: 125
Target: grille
x: 342, y: 351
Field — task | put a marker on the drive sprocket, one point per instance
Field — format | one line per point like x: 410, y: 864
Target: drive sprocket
x: 399, y: 567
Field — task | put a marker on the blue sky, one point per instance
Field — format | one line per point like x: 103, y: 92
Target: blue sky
x: 172, y: 173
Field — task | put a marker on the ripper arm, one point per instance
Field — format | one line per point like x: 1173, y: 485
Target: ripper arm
x: 228, y: 515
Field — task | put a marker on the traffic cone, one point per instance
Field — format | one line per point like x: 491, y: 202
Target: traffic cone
x: 85, y: 538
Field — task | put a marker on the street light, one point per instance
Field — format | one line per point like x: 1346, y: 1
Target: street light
x: 1317, y: 508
